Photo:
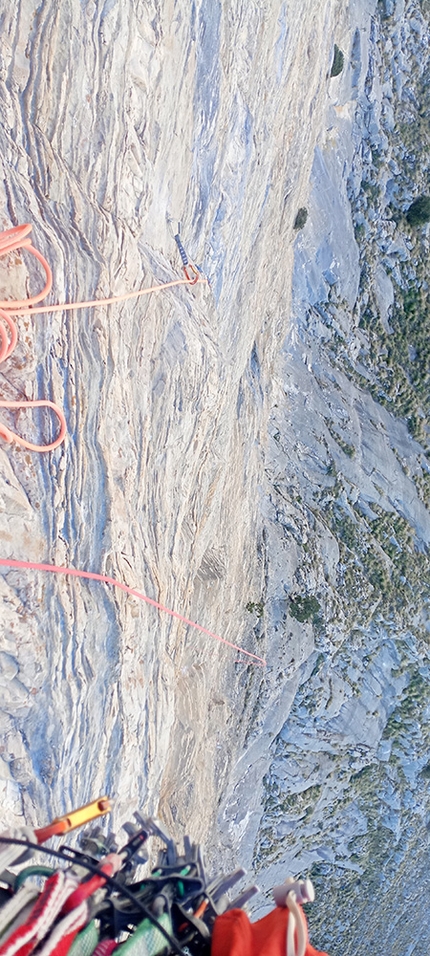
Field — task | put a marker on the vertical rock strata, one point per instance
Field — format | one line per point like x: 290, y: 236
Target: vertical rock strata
x: 112, y: 115
x: 246, y: 456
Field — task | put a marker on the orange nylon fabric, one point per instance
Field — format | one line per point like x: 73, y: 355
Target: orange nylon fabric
x: 235, y: 935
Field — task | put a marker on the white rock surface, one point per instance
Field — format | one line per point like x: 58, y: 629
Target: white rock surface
x: 207, y: 433
x: 344, y: 792
x: 114, y: 114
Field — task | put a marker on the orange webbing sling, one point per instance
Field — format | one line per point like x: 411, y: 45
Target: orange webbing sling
x: 235, y: 935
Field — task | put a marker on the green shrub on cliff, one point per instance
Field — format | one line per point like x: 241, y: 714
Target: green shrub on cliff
x: 255, y: 608
x: 419, y: 211
x: 301, y: 218
x: 304, y: 608
x: 338, y: 61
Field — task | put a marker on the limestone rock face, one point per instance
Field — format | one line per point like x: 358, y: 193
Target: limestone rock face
x: 347, y: 519
x: 226, y: 454
x: 112, y: 116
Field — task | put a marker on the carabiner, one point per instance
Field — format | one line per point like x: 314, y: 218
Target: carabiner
x: 74, y: 819
x: 192, y: 279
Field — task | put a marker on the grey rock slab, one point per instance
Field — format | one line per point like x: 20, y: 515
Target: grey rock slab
x: 202, y: 423
x: 113, y: 116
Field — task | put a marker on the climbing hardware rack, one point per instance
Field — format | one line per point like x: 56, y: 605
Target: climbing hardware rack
x: 90, y: 900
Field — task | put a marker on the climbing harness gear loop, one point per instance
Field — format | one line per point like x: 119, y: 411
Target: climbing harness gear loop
x: 104, y: 908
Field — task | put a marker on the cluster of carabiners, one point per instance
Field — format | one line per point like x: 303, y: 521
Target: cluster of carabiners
x: 92, y: 904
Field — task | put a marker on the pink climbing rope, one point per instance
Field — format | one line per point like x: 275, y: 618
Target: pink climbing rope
x: 92, y: 303
x: 10, y: 241
x: 105, y: 579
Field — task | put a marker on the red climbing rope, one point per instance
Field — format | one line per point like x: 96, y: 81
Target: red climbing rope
x: 54, y: 569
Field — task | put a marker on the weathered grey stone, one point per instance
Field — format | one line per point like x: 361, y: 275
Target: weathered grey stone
x: 208, y: 430
x: 384, y: 294
x: 142, y: 112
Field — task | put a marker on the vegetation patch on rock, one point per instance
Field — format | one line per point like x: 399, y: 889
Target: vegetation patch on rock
x: 338, y: 62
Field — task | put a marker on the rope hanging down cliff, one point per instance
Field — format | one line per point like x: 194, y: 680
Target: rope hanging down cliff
x: 17, y: 238
x: 105, y: 579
